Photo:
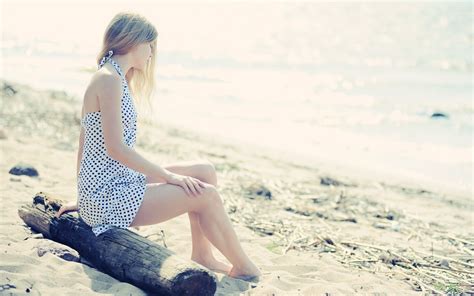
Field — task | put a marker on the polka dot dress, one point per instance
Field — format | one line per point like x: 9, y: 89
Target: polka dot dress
x: 110, y: 193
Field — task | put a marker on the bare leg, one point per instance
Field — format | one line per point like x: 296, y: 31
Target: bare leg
x: 202, y: 252
x: 218, y: 228
x: 201, y: 247
x: 165, y: 201
x: 217, y: 225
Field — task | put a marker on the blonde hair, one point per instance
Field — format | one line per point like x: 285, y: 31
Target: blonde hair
x: 126, y: 30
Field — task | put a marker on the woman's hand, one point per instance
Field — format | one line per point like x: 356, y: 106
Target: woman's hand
x: 72, y: 206
x: 191, y: 185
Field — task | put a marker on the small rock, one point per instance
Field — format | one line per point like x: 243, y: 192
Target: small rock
x: 444, y: 263
x: 23, y: 169
x: 260, y: 190
x: 389, y: 215
x: 439, y: 115
x: 9, y: 90
x: 330, y: 181
x: 329, y: 240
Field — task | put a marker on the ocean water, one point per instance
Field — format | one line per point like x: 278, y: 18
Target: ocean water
x: 349, y: 85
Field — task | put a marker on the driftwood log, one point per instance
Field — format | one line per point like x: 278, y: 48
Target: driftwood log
x: 120, y: 253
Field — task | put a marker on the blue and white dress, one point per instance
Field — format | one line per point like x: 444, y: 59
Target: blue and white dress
x: 109, y: 193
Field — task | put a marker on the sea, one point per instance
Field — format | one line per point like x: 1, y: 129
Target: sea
x: 372, y: 88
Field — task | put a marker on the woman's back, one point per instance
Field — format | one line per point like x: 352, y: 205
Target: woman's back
x: 90, y: 101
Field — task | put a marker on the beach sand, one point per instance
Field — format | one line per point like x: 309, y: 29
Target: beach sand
x: 310, y: 232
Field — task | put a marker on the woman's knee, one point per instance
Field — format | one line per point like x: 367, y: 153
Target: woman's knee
x: 210, y: 197
x: 209, y: 171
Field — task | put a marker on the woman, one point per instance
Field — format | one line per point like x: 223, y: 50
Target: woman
x: 118, y: 187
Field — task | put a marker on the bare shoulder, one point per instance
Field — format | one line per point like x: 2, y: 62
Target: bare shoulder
x: 104, y: 80
x: 106, y: 85
x: 103, y: 87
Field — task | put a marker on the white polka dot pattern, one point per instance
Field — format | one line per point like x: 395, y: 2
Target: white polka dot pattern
x: 110, y: 193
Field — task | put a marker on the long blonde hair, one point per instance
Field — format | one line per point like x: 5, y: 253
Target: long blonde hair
x: 126, y: 30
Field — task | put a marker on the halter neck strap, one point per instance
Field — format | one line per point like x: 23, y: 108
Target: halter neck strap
x: 117, y: 67
x: 107, y: 58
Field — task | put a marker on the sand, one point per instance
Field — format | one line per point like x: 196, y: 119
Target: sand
x: 356, y: 236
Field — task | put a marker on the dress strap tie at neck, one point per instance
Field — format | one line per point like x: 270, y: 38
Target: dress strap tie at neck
x: 105, y: 58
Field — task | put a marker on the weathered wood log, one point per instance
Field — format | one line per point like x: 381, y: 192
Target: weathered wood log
x: 120, y: 253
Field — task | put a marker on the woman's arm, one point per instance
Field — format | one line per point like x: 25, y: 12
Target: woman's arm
x: 110, y: 94
x: 132, y: 159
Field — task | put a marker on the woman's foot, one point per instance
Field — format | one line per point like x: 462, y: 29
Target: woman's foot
x: 212, y: 263
x: 249, y: 273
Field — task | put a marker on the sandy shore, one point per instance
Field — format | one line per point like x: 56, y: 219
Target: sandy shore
x: 310, y: 231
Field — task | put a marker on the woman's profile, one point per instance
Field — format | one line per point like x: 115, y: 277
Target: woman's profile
x: 118, y: 187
